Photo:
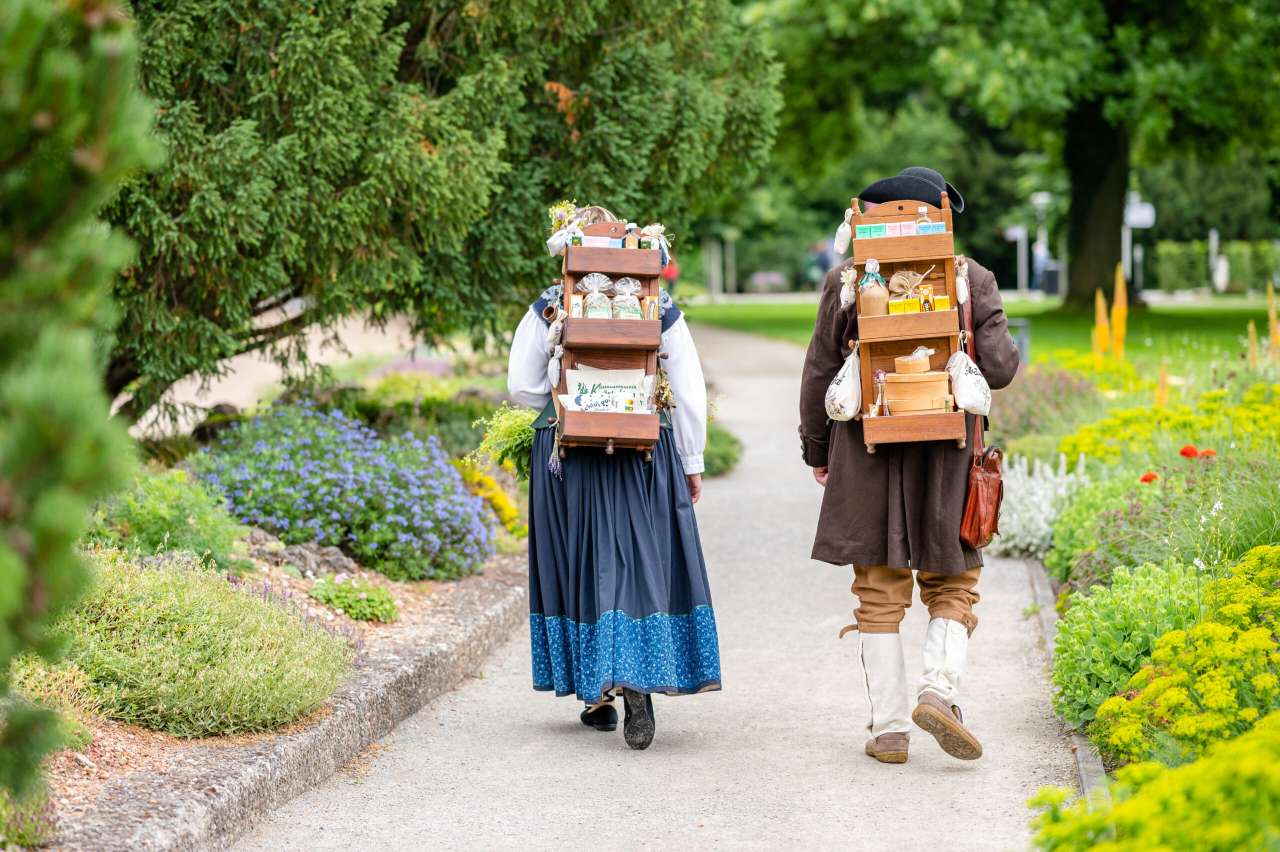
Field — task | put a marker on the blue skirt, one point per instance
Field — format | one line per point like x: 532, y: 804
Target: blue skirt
x: 618, y: 592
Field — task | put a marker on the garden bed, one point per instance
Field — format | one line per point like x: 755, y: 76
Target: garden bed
x: 141, y: 790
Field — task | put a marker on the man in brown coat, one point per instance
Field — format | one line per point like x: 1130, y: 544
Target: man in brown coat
x: 899, y: 509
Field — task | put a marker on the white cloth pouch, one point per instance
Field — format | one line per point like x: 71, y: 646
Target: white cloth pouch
x: 971, y: 390
x: 844, y: 394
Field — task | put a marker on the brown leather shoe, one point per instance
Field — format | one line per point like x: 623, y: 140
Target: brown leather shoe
x: 889, y: 748
x: 947, y: 727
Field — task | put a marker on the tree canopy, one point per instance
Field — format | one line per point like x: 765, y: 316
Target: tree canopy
x: 1019, y: 91
x: 334, y: 157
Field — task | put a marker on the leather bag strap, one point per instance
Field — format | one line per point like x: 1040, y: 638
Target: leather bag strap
x: 967, y: 311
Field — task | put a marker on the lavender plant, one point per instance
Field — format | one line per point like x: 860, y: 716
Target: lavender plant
x: 397, y: 506
x: 1035, y: 493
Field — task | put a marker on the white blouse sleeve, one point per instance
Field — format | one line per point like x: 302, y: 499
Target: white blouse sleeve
x: 527, y: 380
x: 689, y: 417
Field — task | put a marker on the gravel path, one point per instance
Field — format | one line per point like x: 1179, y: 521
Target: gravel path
x: 773, y: 761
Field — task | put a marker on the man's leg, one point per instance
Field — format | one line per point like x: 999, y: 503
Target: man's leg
x: 950, y: 600
x: 883, y: 597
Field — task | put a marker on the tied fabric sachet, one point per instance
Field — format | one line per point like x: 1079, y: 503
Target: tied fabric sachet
x: 844, y: 394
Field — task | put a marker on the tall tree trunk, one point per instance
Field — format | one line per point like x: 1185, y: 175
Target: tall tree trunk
x: 1097, y: 161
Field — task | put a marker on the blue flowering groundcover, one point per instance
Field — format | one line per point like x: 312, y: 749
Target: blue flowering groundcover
x: 397, y: 505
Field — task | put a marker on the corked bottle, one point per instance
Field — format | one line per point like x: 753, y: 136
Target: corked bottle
x: 873, y: 296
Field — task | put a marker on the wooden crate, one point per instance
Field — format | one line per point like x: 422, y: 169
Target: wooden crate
x: 884, y: 338
x: 609, y: 344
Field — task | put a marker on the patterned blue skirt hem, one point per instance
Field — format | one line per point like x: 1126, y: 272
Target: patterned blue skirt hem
x: 659, y: 653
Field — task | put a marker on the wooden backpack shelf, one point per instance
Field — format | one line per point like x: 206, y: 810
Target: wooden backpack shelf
x: 609, y: 344
x: 884, y: 338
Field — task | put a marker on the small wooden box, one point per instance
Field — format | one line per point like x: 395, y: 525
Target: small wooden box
x: 906, y: 386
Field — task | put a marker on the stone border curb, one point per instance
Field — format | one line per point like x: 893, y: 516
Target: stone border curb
x: 209, y: 797
x: 1088, y: 762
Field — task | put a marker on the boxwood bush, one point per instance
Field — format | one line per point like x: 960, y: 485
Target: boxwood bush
x: 398, y: 506
x: 179, y: 649
x: 1110, y: 631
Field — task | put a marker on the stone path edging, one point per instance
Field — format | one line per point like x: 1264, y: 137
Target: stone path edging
x: 206, y: 799
x: 1088, y: 761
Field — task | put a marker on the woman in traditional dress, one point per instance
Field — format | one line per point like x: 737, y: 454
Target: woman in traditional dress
x: 618, y: 592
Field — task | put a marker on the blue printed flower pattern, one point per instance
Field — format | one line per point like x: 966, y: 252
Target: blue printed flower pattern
x: 657, y: 653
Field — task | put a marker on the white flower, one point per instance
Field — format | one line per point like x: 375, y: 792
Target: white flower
x: 1199, y: 563
x: 1217, y: 507
x: 1035, y: 495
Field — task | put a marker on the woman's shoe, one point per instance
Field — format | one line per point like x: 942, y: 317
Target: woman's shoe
x: 602, y: 718
x: 638, y: 724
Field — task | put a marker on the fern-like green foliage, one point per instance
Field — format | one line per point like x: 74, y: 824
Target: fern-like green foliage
x: 398, y: 158
x: 71, y: 127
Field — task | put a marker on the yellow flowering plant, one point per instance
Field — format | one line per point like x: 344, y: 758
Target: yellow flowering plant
x: 1207, y: 683
x: 1228, y: 800
x: 1251, y: 421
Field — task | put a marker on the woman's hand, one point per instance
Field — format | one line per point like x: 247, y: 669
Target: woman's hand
x: 695, y: 485
x: 820, y: 476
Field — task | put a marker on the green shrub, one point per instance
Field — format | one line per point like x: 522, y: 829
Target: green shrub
x: 1210, y: 682
x: 1227, y: 801
x: 1110, y: 631
x: 72, y: 127
x: 723, y: 450
x: 1181, y: 265
x: 449, y: 408
x: 355, y: 598
x: 1207, y: 511
x: 171, y: 511
x: 1075, y: 530
x: 1035, y: 448
x: 179, y: 649
x: 26, y: 823
x: 1043, y: 400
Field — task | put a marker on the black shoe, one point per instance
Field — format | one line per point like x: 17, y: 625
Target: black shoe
x: 603, y: 718
x: 638, y: 727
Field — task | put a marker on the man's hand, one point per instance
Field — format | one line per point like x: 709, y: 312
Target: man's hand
x: 820, y: 476
x: 695, y: 485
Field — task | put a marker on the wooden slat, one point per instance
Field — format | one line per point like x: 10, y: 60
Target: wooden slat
x: 902, y: 326
x: 921, y: 248
x: 595, y: 428
x: 611, y: 334
x: 614, y: 262
x: 903, y: 428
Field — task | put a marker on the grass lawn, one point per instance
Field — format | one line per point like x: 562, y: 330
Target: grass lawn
x: 1171, y: 331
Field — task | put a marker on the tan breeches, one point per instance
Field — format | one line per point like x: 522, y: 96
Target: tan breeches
x: 885, y: 593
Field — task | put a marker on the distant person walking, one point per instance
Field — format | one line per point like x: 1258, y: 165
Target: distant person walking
x: 671, y: 275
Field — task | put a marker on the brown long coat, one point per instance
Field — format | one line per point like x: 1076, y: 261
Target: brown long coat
x: 901, y: 506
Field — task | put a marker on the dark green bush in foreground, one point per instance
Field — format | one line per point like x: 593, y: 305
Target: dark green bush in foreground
x: 71, y: 127
x: 180, y: 649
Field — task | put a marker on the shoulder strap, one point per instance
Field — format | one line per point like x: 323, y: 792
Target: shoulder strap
x: 966, y: 311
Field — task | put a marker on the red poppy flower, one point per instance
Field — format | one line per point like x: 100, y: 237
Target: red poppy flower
x: 1148, y: 477
x: 1189, y: 451
x: 1208, y: 454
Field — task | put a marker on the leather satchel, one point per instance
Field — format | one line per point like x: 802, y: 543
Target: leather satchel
x: 981, y: 519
